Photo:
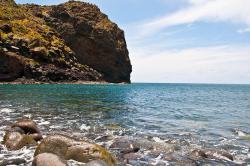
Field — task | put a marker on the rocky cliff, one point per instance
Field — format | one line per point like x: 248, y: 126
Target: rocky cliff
x: 73, y: 41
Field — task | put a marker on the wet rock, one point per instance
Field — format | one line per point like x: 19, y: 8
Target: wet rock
x: 6, y: 28
x: 169, y: 157
x: 154, y: 154
x: 16, y: 141
x: 17, y: 129
x: 132, y: 156
x: 247, y: 160
x: 104, y: 138
x: 97, y: 163
x: 185, y: 162
x: 198, y: 153
x: 125, y: 146
x: 36, y: 136
x: 17, y: 161
x: 30, y: 128
x: 159, y: 163
x: 219, y: 154
x: 48, y: 159
x: 69, y: 148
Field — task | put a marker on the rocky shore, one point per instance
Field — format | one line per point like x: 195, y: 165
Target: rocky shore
x: 28, y: 82
x: 99, y: 149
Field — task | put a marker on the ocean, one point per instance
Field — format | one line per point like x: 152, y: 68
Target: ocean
x: 206, y: 116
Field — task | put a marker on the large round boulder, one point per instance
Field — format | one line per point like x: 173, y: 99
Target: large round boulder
x: 69, y: 148
x: 48, y: 159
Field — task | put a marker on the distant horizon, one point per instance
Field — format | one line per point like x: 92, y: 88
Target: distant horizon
x: 183, y: 40
x: 190, y: 83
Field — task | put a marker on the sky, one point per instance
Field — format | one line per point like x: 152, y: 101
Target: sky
x: 182, y: 41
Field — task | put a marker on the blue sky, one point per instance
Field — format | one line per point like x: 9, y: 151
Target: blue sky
x: 186, y: 41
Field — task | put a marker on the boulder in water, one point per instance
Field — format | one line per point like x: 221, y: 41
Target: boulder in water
x: 16, y: 141
x: 30, y: 128
x: 69, y: 148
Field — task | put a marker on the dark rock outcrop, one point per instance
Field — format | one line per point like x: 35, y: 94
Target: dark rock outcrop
x: 97, y: 42
x: 73, y: 41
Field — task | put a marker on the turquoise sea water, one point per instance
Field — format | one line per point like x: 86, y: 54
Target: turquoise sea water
x: 205, y: 115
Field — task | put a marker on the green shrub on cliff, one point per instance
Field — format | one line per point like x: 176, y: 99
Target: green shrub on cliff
x: 26, y: 26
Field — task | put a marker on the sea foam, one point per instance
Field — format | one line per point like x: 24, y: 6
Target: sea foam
x: 6, y: 110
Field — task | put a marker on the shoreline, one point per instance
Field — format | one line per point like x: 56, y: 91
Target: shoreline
x: 124, y: 149
x: 33, y: 82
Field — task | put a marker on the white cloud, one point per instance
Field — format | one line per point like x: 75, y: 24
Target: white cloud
x: 244, y: 30
x: 224, y: 64
x: 234, y: 11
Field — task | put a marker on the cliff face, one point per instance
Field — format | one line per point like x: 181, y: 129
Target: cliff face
x: 71, y: 41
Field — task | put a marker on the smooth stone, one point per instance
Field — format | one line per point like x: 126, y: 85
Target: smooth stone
x: 17, y: 129
x: 30, y: 128
x: 69, y: 148
x: 48, y: 159
x: 16, y: 141
x: 97, y: 163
